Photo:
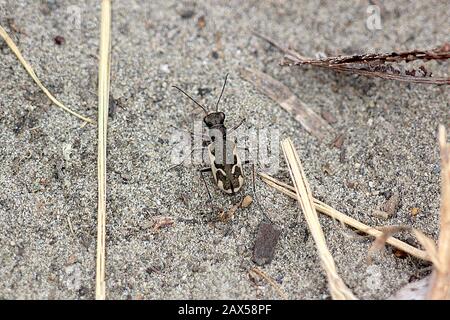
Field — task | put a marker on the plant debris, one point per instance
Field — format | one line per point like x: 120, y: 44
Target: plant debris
x: 281, y: 94
x: 266, y: 241
x: 338, y: 289
x: 258, y: 272
x: 380, y: 241
x: 13, y: 26
x: 226, y: 216
x: 161, y: 222
x: 329, y: 117
x: 440, y: 285
x: 380, y: 65
x: 387, y: 233
x: 229, y: 215
x: 29, y: 69
x: 333, y: 213
x: 338, y: 141
x: 103, y: 105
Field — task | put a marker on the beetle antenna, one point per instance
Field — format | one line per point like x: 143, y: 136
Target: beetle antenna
x: 198, y: 104
x: 223, y: 88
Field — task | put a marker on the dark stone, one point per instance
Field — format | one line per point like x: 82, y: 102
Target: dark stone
x: 187, y: 13
x: 59, y: 40
x: 266, y: 241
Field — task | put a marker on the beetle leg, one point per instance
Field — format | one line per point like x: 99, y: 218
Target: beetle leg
x: 238, y: 125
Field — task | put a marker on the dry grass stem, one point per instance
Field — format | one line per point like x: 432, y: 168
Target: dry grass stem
x: 33, y: 75
x: 380, y: 241
x: 103, y: 104
x: 281, y: 94
x: 338, y: 289
x: 333, y: 213
x: 440, y: 281
x: 272, y: 282
x: 69, y: 222
x: 429, y: 246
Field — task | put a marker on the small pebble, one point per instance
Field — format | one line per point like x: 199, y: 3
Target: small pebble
x: 215, y: 54
x: 164, y: 68
x: 391, y: 205
x: 246, y: 201
x: 187, y: 13
x: 59, y: 40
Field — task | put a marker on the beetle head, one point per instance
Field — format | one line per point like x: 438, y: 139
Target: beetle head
x: 214, y: 118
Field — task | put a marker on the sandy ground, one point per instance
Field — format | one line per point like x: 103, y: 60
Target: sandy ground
x: 48, y: 158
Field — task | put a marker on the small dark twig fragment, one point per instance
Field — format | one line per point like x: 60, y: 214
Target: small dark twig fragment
x: 338, y: 141
x: 329, y: 117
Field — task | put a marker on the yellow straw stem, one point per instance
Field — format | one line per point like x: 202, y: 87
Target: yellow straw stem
x: 33, y: 75
x: 103, y: 104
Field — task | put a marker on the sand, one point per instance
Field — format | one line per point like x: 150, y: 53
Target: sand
x: 48, y: 185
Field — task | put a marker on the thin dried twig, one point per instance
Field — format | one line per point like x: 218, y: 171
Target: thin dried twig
x: 69, y: 222
x: 380, y: 65
x: 281, y: 94
x: 439, y: 53
x: 33, y: 75
x: 338, y: 289
x: 161, y: 222
x: 388, y: 231
x: 103, y: 105
x: 380, y: 241
x: 440, y: 282
x: 333, y: 213
x: 274, y: 285
x: 429, y: 245
x: 439, y: 288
